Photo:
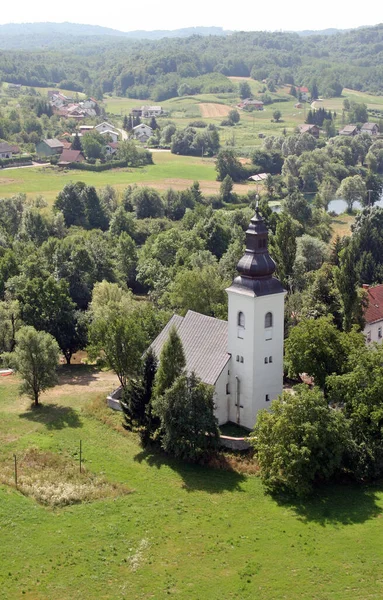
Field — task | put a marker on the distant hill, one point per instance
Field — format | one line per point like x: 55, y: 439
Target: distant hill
x: 75, y: 29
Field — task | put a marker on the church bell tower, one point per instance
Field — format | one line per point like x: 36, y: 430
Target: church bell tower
x: 255, y: 329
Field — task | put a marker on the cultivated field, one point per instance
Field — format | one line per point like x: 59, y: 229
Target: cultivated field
x: 181, y: 531
x: 214, y: 110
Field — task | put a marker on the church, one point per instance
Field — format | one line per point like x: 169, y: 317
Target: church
x: 243, y: 356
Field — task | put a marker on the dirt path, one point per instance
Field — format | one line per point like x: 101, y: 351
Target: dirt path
x: 210, y: 110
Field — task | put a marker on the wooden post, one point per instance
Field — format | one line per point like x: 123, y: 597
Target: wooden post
x: 80, y: 456
x: 15, y: 457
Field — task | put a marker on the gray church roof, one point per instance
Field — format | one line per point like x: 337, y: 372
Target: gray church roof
x: 204, y: 341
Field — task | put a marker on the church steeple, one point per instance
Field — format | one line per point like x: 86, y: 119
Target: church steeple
x: 256, y: 266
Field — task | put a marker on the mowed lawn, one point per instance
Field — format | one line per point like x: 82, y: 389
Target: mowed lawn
x: 185, y: 531
x: 169, y: 170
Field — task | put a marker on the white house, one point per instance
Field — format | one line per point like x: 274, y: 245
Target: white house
x: 5, y: 150
x: 373, y: 314
x: 142, y: 132
x: 151, y: 111
x: 241, y: 357
x: 111, y: 133
x: 370, y: 128
x: 105, y: 126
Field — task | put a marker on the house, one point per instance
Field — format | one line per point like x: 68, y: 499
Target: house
x: 312, y: 129
x: 111, y: 148
x: 349, y: 130
x: 66, y: 145
x: 89, y: 103
x: 243, y: 356
x: 112, y: 134
x: 70, y: 156
x: 85, y: 128
x: 105, y: 126
x: 370, y: 128
x: 303, y: 92
x: 49, y: 147
x: 251, y: 103
x: 373, y: 313
x: 5, y: 150
x: 142, y: 132
x: 150, y: 111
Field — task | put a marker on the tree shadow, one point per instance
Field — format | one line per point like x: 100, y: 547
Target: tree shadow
x: 346, y: 504
x: 53, y: 416
x: 195, y: 477
x: 77, y: 374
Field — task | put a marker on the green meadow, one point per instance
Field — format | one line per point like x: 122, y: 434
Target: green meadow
x: 184, y: 531
x: 168, y: 171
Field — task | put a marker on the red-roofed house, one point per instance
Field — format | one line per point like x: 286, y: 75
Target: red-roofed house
x: 70, y: 156
x: 374, y: 313
x: 304, y: 92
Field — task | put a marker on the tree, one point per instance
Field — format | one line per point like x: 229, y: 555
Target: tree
x: 299, y: 442
x: 199, y: 289
x: 118, y: 339
x: 352, y: 189
x: 93, y: 144
x: 244, y: 90
x: 317, y: 347
x: 189, y: 429
x: 226, y: 189
x: 360, y: 393
x: 277, y: 115
x: 95, y: 215
x: 137, y: 401
x: 228, y: 164
x: 76, y: 144
x: 70, y: 203
x: 234, y: 116
x: 148, y: 203
x: 47, y: 306
x: 172, y: 363
x: 284, y: 247
x: 35, y: 358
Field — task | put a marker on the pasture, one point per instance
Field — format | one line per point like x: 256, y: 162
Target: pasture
x: 169, y: 170
x: 183, y: 531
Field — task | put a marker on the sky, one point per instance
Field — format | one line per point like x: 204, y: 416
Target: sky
x: 293, y: 15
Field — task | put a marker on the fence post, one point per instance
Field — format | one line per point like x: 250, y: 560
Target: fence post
x: 15, y: 457
x: 80, y: 456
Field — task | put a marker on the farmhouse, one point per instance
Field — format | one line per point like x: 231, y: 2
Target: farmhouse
x: 312, y: 129
x: 147, y: 111
x: 49, y: 147
x: 374, y: 314
x: 349, y: 130
x: 111, y: 148
x: 370, y: 128
x: 5, y: 150
x: 251, y: 103
x: 243, y: 356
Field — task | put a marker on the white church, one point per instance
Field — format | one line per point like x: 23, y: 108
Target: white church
x: 243, y: 356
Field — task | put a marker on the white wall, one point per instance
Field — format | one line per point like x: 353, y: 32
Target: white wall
x: 221, y: 399
x: 256, y: 379
x: 373, y: 329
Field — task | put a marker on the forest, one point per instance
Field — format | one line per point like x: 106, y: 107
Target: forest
x: 156, y: 69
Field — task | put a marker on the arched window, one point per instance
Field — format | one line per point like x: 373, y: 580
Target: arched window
x: 241, y: 320
x: 266, y: 361
x: 270, y: 359
x: 268, y: 320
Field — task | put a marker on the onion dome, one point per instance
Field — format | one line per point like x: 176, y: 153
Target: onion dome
x: 256, y: 266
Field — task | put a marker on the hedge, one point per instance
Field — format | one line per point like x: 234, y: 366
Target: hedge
x: 15, y: 160
x: 98, y: 168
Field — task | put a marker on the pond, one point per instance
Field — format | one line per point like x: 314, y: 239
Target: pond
x: 340, y: 206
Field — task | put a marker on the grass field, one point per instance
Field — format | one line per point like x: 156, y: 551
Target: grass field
x: 183, y: 531
x: 169, y: 170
